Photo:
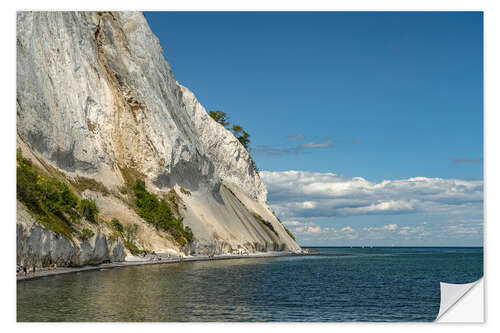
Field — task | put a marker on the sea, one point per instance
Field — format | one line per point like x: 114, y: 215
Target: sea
x: 338, y: 284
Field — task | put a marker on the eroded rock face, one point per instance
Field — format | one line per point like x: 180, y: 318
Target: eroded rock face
x: 96, y: 97
x: 36, y: 245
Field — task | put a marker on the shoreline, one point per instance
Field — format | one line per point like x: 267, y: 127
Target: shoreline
x: 47, y: 272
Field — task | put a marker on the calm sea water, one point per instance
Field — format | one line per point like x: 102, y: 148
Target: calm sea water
x: 339, y: 284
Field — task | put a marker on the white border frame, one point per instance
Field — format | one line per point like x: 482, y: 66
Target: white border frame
x: 491, y: 159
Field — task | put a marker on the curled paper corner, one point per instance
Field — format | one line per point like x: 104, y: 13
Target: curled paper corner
x: 462, y: 302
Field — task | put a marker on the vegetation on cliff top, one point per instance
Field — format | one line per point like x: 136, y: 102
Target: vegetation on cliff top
x: 220, y: 117
x: 238, y: 131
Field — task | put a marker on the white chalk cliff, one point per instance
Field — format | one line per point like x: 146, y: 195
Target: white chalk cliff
x: 95, y: 97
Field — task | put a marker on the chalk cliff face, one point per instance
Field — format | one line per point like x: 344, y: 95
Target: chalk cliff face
x: 38, y: 245
x: 95, y: 98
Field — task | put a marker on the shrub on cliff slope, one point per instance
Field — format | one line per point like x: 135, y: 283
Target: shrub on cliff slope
x: 289, y: 233
x: 188, y: 233
x: 117, y: 225
x: 88, y: 209
x: 264, y: 222
x: 130, y: 235
x: 50, y: 200
x: 158, y: 213
x: 86, y: 234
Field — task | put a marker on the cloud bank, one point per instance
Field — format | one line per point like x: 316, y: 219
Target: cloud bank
x: 301, y: 194
x: 389, y: 234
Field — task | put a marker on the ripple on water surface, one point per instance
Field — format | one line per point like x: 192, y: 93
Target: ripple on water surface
x: 339, y: 284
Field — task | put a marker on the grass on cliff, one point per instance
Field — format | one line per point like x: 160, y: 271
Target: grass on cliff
x: 286, y: 229
x: 84, y: 183
x: 86, y: 234
x: 270, y: 226
x: 50, y: 200
x: 158, y: 213
x: 128, y: 234
x: 289, y: 233
x: 264, y: 222
x: 129, y: 237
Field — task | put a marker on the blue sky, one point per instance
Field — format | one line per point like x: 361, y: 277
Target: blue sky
x: 382, y: 96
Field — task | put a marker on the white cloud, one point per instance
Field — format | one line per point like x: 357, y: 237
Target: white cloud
x: 391, y: 227
x: 464, y: 229
x: 316, y: 144
x: 308, y: 204
x: 314, y: 230
x: 304, y: 227
x: 292, y: 223
x: 300, y: 194
x: 404, y: 230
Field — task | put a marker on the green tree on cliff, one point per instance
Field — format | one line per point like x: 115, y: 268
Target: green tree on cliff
x: 238, y: 131
x: 220, y: 117
x: 241, y: 135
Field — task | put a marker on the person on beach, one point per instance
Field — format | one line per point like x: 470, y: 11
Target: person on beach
x: 25, y: 270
